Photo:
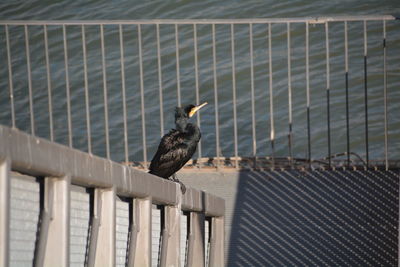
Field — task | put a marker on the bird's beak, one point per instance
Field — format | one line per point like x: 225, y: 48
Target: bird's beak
x: 195, y: 109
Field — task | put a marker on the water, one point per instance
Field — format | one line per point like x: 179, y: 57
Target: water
x: 191, y: 9
x: 206, y: 9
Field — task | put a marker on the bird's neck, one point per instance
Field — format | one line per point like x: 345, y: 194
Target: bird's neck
x: 195, y: 132
x: 181, y: 124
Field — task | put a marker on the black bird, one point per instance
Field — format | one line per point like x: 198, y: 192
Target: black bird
x: 177, y: 146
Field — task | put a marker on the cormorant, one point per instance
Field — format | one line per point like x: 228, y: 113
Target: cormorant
x: 177, y: 146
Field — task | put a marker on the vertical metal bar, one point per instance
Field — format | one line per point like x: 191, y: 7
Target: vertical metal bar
x: 28, y: 64
x: 171, y: 236
x: 178, y: 79
x: 196, y: 75
x: 217, y: 242
x: 5, y: 183
x: 215, y: 94
x: 49, y: 95
x: 102, y: 248
x: 271, y: 96
x: 47, y: 196
x: 195, y: 255
x: 235, y: 141
x: 253, y: 108
x: 328, y: 86
x: 53, y: 246
x: 184, y: 238
x: 207, y: 232
x: 10, y: 78
x: 103, y: 60
x: 346, y: 60
x: 142, y: 95
x: 160, y: 81
x: 366, y: 94
x: 67, y: 88
x: 385, y: 96
x: 290, y: 135
x: 139, y: 253
x: 85, y: 74
x: 308, y: 94
x: 121, y: 48
x: 96, y: 205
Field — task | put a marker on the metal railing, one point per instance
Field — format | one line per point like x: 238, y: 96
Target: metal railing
x: 57, y: 167
x: 271, y: 79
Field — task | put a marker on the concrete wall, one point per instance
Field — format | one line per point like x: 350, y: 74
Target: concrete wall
x: 289, y: 218
x: 344, y: 218
x: 221, y: 184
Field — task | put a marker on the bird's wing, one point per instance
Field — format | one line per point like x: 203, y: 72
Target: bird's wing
x: 172, y: 154
x: 175, y: 158
x: 167, y: 143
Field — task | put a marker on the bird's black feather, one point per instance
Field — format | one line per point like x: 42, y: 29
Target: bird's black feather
x: 176, y: 147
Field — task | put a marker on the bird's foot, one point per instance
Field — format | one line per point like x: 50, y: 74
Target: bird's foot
x: 183, y: 187
x: 176, y: 180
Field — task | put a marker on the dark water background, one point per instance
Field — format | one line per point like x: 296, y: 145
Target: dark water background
x: 89, y: 10
x: 126, y: 10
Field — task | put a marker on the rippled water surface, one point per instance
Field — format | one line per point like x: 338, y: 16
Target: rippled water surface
x: 209, y: 87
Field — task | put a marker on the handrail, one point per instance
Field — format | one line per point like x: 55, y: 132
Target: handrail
x: 37, y: 156
x: 58, y: 166
x: 311, y: 20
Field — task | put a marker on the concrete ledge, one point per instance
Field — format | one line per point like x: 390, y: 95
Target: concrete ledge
x: 193, y: 200
x: 213, y: 206
x: 40, y: 157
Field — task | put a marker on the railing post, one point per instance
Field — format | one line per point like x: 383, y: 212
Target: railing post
x: 53, y: 244
x: 217, y: 242
x: 196, y: 240
x: 171, y: 235
x: 140, y: 234
x: 4, y: 212
x: 105, y: 246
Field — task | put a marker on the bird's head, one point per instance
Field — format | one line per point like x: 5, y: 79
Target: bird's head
x: 188, y: 111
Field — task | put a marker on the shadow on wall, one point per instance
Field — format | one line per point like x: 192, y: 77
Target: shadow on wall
x: 293, y: 218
